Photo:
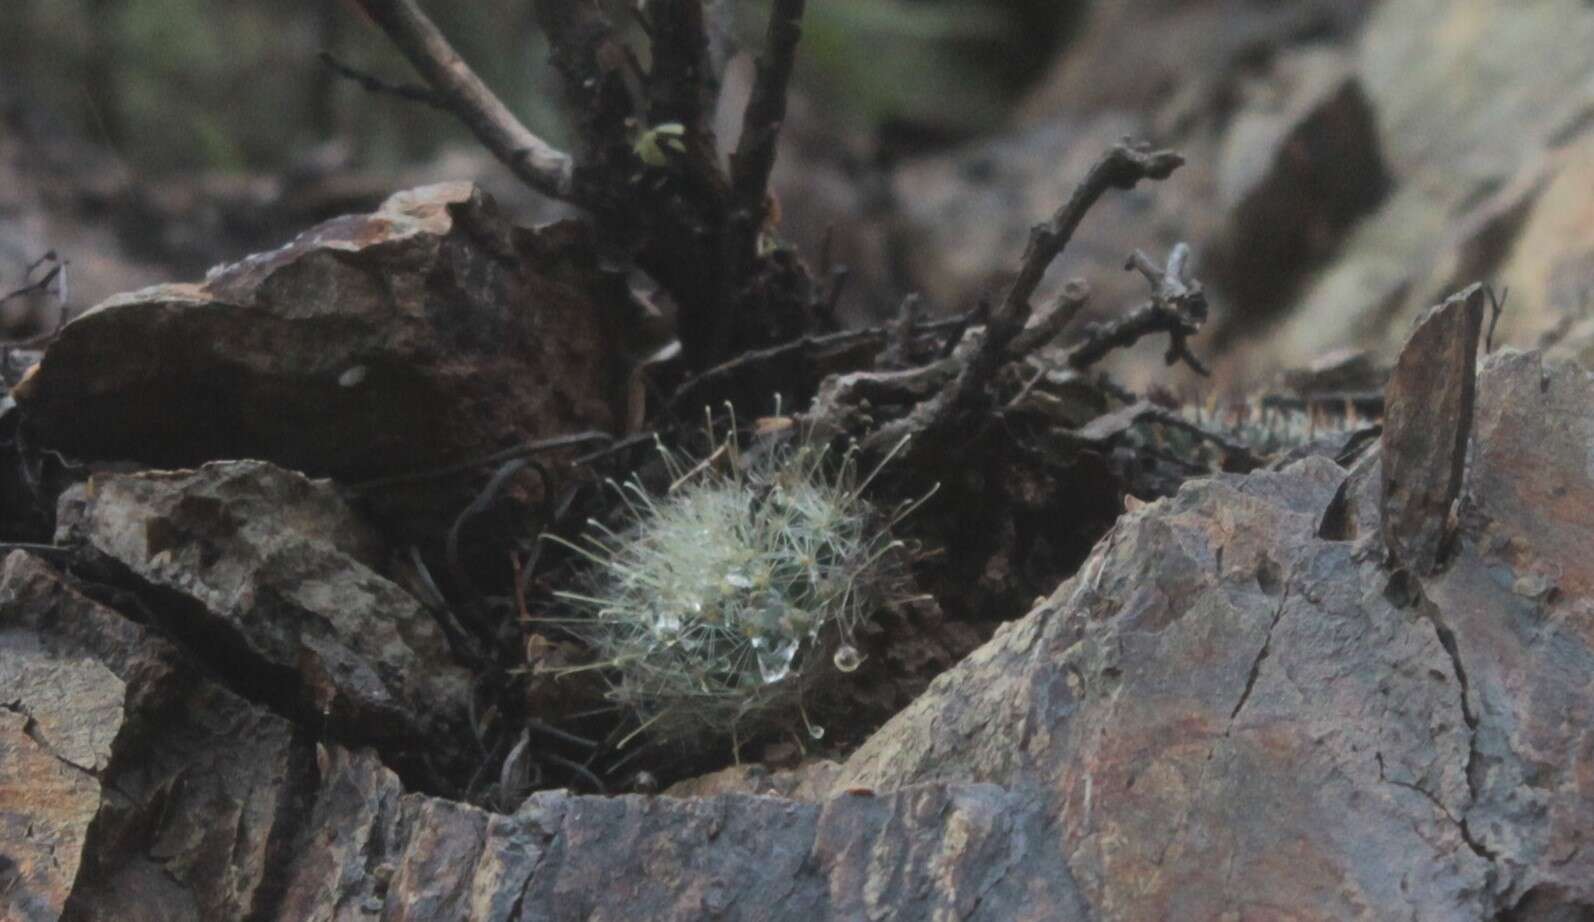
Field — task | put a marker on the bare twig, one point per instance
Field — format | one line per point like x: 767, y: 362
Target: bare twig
x: 44, y: 550
x: 601, y: 79
x: 497, y: 457
x: 898, y: 335
x: 1109, y: 428
x: 370, y: 83
x: 1053, y: 320
x: 1123, y: 167
x: 682, y: 89
x: 42, y: 285
x: 532, y: 159
x: 761, y: 122
x: 836, y: 283
x: 1177, y: 307
x: 682, y: 84
x: 812, y: 346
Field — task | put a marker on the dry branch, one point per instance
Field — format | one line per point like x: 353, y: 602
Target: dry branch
x: 370, y: 83
x: 532, y: 159
x: 1177, y: 307
x: 766, y: 111
x: 1123, y: 167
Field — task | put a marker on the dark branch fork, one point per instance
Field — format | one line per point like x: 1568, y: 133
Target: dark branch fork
x: 1123, y: 167
x: 533, y: 160
x: 766, y: 111
x: 692, y: 224
x: 696, y: 225
x: 1178, y: 307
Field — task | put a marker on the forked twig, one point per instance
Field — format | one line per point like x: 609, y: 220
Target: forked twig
x: 533, y: 160
x: 1123, y: 167
x: 1178, y: 307
x: 370, y: 83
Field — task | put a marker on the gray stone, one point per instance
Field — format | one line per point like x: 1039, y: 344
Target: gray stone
x: 278, y: 575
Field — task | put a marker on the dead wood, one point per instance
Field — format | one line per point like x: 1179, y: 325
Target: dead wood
x: 532, y: 159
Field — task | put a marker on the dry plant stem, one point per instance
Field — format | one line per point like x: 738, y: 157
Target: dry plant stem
x: 1053, y: 322
x: 766, y: 111
x: 683, y: 88
x: 1123, y: 167
x: 1177, y: 307
x: 408, y: 92
x: 532, y: 159
x: 814, y: 345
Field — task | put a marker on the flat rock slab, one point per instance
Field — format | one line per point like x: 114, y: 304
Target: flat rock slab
x: 275, y: 575
x: 426, y: 333
x: 932, y: 852
x: 1428, y: 407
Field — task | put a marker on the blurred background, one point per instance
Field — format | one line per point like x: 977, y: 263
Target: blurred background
x: 150, y: 139
x: 173, y: 85
x: 1349, y: 160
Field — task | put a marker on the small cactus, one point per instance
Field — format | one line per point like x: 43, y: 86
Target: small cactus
x: 710, y: 609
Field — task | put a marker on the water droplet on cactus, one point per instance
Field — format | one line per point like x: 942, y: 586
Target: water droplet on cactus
x: 666, y: 623
x: 847, y: 659
x: 775, y: 664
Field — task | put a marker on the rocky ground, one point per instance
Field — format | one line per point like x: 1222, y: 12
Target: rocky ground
x: 269, y: 600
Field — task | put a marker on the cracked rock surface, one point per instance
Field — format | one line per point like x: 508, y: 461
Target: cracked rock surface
x: 1233, y: 710
x: 277, y: 573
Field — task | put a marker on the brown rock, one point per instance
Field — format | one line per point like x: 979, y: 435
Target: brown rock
x: 964, y: 218
x: 810, y: 781
x: 1549, y: 270
x: 1226, y: 717
x: 1300, y: 164
x: 1472, y: 102
x: 146, y: 791
x: 46, y: 805
x: 427, y: 332
x: 277, y: 576
x: 954, y: 851
x: 1229, y: 711
x: 1427, y: 421
x: 1135, y: 55
x: 1519, y: 605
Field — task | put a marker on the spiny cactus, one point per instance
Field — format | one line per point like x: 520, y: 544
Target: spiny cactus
x: 1270, y: 431
x: 722, y: 596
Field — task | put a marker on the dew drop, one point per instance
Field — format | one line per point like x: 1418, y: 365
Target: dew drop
x: 847, y: 658
x: 775, y: 664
